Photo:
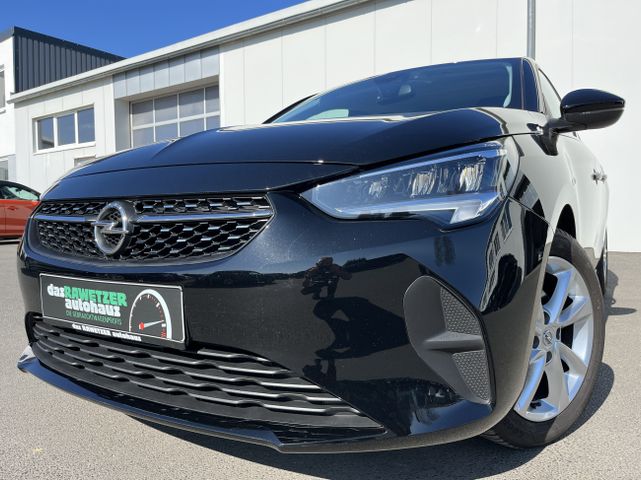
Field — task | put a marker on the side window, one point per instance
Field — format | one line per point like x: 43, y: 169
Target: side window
x: 5, y: 194
x: 329, y: 114
x: 16, y: 193
x: 550, y: 96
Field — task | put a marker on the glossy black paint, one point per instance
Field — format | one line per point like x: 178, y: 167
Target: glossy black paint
x: 351, y: 142
x: 352, y: 339
x: 588, y: 108
x: 278, y: 156
x: 324, y: 297
x: 571, y: 192
x: 195, y: 179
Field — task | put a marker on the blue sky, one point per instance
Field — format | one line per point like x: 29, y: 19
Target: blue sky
x: 130, y: 27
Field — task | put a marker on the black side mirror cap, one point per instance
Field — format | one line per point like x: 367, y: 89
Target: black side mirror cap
x: 588, y: 109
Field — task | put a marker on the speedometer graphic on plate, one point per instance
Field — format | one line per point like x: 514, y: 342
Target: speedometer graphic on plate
x: 150, y: 315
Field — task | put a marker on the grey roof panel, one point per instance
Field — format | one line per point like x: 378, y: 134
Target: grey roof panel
x: 40, y: 59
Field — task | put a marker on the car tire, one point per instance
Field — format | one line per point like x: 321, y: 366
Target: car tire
x: 526, y: 429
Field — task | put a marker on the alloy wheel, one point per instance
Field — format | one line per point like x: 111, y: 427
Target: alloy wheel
x: 562, y: 344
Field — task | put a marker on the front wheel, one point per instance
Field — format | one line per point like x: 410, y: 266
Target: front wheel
x: 567, y: 349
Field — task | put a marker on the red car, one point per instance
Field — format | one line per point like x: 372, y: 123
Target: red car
x: 16, y: 204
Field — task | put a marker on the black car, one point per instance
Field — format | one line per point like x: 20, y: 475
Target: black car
x: 412, y: 259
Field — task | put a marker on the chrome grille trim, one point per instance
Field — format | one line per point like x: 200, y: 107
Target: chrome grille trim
x: 195, y: 217
x: 204, y: 217
x: 161, y: 206
x: 63, y: 218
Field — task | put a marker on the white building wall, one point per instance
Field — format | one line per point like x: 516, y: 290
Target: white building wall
x: 593, y: 44
x: 7, y: 133
x: 41, y: 169
x: 166, y: 74
x: 263, y: 74
x: 580, y: 43
x: 303, y: 45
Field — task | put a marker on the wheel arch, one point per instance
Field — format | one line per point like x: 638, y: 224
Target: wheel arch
x: 567, y: 221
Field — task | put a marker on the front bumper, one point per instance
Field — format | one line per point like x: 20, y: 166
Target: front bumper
x: 356, y: 330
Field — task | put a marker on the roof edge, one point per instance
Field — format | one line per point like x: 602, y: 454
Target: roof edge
x: 238, y: 31
x: 6, y: 33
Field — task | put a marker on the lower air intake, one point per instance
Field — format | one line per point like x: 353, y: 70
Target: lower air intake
x: 448, y: 336
x: 230, y: 389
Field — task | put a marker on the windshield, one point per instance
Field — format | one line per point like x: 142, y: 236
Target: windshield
x: 487, y: 83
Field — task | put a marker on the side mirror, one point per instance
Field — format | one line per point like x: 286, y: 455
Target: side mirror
x: 587, y: 109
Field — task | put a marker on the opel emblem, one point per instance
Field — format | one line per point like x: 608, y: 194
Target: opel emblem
x: 113, y: 226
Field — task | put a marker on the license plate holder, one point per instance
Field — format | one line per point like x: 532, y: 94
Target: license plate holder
x: 138, y: 312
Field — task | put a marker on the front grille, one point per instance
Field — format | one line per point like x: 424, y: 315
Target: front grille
x: 153, y: 240
x: 163, y: 229
x: 238, y: 387
x: 71, y: 208
x: 72, y: 238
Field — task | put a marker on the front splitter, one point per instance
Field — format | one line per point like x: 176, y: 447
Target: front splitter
x: 181, y: 419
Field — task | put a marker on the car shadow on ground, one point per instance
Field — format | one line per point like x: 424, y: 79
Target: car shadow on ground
x: 470, y: 459
x: 612, y: 309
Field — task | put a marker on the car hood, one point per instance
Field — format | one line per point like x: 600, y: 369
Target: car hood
x: 272, y: 156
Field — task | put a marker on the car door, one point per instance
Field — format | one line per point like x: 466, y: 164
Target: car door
x: 588, y: 175
x: 2, y: 216
x: 18, y: 203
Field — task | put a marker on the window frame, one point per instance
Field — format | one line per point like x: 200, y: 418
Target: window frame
x: 530, y: 70
x: 541, y: 78
x: 67, y: 146
x: 178, y: 119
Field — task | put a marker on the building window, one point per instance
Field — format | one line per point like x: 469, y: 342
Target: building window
x: 45, y: 133
x: 86, y: 126
x: 66, y: 129
x: 70, y: 128
x: 2, y: 97
x: 173, y: 116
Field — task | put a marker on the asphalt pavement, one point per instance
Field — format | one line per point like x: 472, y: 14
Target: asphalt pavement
x: 48, y: 434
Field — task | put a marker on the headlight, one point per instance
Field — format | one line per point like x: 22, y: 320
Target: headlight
x: 451, y: 188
